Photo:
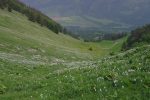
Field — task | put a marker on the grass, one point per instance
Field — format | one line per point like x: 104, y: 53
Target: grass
x: 18, y: 35
x: 37, y: 64
x: 124, y: 76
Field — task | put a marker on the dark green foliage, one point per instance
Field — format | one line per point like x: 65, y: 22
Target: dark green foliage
x: 31, y: 17
x: 3, y: 4
x: 9, y: 9
x: 138, y: 36
x: 32, y: 14
x: 2, y: 89
x: 111, y: 53
x: 91, y: 49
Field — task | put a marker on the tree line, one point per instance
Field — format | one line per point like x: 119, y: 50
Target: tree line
x: 33, y: 15
x: 106, y: 36
x: 137, y: 36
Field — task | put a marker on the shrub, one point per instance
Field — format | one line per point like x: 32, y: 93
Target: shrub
x: 90, y: 49
x: 111, y: 53
x: 2, y: 89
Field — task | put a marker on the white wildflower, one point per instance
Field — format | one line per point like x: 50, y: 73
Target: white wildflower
x: 41, y: 95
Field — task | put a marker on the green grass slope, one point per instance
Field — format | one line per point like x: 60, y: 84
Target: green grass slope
x: 37, y: 64
x: 20, y: 36
x: 121, y: 77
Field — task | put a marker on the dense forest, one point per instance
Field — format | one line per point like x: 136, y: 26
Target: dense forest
x: 33, y: 15
x: 138, y: 36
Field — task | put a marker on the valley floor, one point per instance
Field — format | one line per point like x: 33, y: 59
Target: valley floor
x: 124, y: 76
x: 37, y: 64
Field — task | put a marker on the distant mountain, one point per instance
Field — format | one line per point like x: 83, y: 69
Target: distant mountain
x: 106, y: 15
x: 128, y: 11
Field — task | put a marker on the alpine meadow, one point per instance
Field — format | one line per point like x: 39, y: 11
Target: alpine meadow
x: 74, y: 50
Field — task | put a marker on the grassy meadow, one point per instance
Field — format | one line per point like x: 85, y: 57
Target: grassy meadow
x: 37, y: 64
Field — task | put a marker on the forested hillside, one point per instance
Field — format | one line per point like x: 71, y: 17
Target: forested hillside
x: 32, y: 14
x: 138, y: 37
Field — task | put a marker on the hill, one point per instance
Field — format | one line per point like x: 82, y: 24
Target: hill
x: 125, y: 11
x: 103, y: 15
x: 18, y: 35
x: 36, y: 63
x: 32, y: 15
x: 138, y: 37
x: 124, y: 76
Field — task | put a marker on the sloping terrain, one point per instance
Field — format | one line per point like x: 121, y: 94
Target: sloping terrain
x: 138, y: 37
x: 36, y: 63
x: 124, y: 76
x: 131, y: 12
x: 86, y: 25
x: 18, y: 35
x: 124, y: 15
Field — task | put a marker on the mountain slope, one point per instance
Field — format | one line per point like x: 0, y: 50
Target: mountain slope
x: 127, y: 13
x: 36, y: 63
x: 32, y: 14
x: 18, y: 35
x: 124, y: 76
x: 138, y: 37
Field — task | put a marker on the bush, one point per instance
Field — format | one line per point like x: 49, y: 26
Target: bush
x: 90, y: 49
x: 111, y: 53
x: 9, y: 9
x: 137, y: 37
x: 2, y: 89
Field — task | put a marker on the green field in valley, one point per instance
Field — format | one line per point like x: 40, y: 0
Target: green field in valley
x: 37, y: 64
x: 18, y: 35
